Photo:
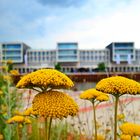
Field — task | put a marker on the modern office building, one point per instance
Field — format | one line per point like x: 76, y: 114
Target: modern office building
x: 123, y: 57
x: 13, y: 51
x: 117, y: 56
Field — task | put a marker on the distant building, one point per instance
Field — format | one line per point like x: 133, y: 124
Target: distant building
x: 123, y: 57
x: 13, y: 51
x: 117, y: 56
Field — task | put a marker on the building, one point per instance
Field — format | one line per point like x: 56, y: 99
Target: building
x: 123, y: 57
x: 117, y: 56
x: 13, y: 51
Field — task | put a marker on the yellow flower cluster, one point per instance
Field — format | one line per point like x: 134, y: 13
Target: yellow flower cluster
x: 54, y: 104
x: 29, y: 111
x: 14, y: 72
x: 118, y: 85
x: 92, y: 94
x: 120, y: 117
x: 127, y: 137
x: 45, y: 78
x: 130, y: 129
x: 19, y: 119
x: 7, y: 78
x: 9, y: 62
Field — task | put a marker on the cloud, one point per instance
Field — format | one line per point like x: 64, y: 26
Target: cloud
x: 122, y: 24
x: 62, y: 3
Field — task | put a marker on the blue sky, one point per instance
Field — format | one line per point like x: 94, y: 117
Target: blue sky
x: 92, y: 23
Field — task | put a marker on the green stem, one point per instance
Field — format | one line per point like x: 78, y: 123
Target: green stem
x: 18, y: 133
x: 49, y: 131
x: 94, y: 118
x: 115, y: 117
x: 46, y: 128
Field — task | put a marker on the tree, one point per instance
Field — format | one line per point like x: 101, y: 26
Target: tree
x: 101, y: 66
x: 58, y: 66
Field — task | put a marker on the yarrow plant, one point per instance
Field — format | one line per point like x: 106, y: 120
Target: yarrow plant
x: 95, y: 97
x: 50, y: 103
x: 118, y: 86
x: 130, y: 129
x: 8, y: 100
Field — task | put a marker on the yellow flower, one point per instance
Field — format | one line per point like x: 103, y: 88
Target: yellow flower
x: 7, y: 78
x: 54, y: 104
x: 127, y: 137
x: 118, y: 85
x: 9, y: 62
x: 94, y: 94
x: 121, y: 117
x: 103, y: 97
x: 14, y: 72
x: 1, y: 137
x: 100, y: 137
x: 130, y: 129
x: 29, y: 111
x: 18, y: 119
x: 16, y: 112
x: 90, y: 94
x: 45, y: 78
x: 27, y: 121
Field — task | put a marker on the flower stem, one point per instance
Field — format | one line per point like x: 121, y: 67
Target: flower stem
x: 115, y: 117
x: 49, y: 131
x: 94, y: 118
x: 46, y: 129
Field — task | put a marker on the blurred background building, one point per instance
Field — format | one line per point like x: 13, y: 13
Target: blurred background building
x: 117, y: 57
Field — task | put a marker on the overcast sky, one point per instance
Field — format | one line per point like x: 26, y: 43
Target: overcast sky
x: 92, y: 23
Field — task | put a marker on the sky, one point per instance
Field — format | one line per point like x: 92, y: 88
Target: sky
x: 94, y: 24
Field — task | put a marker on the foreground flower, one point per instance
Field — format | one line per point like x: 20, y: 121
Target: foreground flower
x: 127, y: 137
x: 18, y: 119
x: 54, y: 104
x: 130, y: 129
x: 118, y: 86
x: 44, y: 79
x: 93, y: 95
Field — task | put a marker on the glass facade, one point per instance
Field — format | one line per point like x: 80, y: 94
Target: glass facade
x: 67, y: 52
x: 122, y: 52
x: 12, y: 52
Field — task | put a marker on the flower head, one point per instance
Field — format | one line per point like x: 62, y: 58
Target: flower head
x: 92, y: 94
x: 9, y: 62
x: 120, y: 117
x: 118, y: 85
x: 29, y: 111
x: 14, y: 72
x: 18, y: 119
x: 130, y: 129
x: 54, y: 104
x: 103, y: 97
x: 127, y: 137
x: 47, y: 78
